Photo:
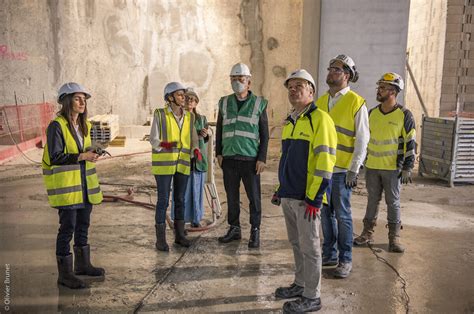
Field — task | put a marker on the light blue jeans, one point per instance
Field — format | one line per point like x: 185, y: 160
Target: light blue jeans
x: 336, y: 221
x: 193, y: 198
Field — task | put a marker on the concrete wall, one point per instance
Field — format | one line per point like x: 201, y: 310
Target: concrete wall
x: 373, y: 33
x: 125, y: 51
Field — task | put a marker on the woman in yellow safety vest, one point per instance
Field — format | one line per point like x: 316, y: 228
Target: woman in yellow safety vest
x: 173, y: 138
x: 71, y: 183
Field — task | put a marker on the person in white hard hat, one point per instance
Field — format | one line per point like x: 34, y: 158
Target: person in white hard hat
x: 173, y: 139
x: 390, y: 159
x: 308, y: 155
x: 349, y: 112
x: 72, y: 184
x: 241, y: 148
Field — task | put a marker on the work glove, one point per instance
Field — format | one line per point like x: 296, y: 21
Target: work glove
x: 197, y: 154
x: 168, y: 145
x: 275, y: 199
x: 310, y: 212
x: 351, y: 179
x: 405, y: 176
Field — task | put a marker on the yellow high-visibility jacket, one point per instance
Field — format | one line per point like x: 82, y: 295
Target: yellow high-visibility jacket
x: 308, y: 156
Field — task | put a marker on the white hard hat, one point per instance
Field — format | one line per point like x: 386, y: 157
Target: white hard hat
x: 301, y: 74
x: 71, y: 88
x: 394, y: 79
x: 191, y: 92
x: 240, y: 69
x: 349, y: 65
x: 173, y: 87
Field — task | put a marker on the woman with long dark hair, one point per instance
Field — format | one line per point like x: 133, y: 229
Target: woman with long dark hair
x: 71, y: 182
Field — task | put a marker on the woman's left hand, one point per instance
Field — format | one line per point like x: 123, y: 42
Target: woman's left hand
x: 203, y: 132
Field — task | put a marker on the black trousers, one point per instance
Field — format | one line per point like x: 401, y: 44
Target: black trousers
x: 73, y: 221
x: 234, y: 172
x: 163, y: 184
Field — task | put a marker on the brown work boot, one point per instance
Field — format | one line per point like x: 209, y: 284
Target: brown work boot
x: 394, y: 244
x: 367, y: 235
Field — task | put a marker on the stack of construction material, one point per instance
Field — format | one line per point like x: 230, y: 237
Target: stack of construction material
x: 104, y: 127
x: 447, y: 149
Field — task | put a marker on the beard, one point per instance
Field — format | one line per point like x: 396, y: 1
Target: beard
x: 334, y: 82
x: 381, y: 98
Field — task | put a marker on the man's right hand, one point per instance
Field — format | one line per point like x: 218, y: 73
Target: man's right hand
x: 276, y: 200
x: 219, y: 160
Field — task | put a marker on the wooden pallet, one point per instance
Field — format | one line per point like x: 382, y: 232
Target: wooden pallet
x: 118, y: 141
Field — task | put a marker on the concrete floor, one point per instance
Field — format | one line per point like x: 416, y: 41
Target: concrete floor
x: 437, y: 267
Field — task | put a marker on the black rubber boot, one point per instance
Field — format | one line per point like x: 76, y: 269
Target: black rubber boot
x: 232, y: 234
x: 65, y: 275
x: 82, y: 262
x: 161, y: 244
x: 254, y: 241
x: 180, y: 237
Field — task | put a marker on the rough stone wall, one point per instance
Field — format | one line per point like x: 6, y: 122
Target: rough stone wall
x: 125, y: 51
x: 425, y: 48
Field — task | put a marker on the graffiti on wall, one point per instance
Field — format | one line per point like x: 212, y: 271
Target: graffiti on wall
x: 7, y: 54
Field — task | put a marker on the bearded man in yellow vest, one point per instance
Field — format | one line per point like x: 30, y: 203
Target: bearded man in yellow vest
x: 349, y: 112
x: 71, y: 182
x: 390, y: 159
x: 241, y: 149
x: 173, y: 139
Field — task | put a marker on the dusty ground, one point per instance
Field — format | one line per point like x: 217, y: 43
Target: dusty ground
x: 437, y: 268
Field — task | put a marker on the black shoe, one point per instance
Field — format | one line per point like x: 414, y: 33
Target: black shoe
x: 292, y: 291
x: 302, y: 305
x: 254, y: 241
x: 233, y: 233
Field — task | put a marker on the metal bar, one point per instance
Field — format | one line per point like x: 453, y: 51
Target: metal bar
x: 425, y: 111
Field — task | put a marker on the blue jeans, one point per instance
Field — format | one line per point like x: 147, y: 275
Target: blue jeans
x: 73, y: 222
x: 163, y: 183
x: 193, y: 198
x: 336, y: 221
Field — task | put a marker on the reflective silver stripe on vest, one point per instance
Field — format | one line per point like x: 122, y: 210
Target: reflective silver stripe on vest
x: 345, y: 131
x: 93, y: 191
x: 224, y: 108
x: 164, y: 133
x: 61, y: 169
x: 410, y: 152
x: 345, y: 148
x: 227, y: 134
x: 163, y: 163
x: 256, y: 106
x: 253, y: 120
x: 91, y: 171
x: 186, y: 150
x: 246, y: 134
x: 386, y: 142
x: 324, y: 149
x: 184, y: 162
x: 323, y: 174
x: 166, y: 151
x: 384, y: 154
x: 69, y: 189
x: 228, y: 121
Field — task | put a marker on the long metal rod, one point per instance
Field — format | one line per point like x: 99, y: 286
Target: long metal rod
x: 425, y: 111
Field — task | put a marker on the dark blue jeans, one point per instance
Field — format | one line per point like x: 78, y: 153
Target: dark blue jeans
x: 336, y: 221
x: 163, y: 184
x: 73, y: 221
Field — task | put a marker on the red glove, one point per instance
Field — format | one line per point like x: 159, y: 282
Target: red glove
x: 197, y: 154
x: 168, y: 145
x: 310, y: 212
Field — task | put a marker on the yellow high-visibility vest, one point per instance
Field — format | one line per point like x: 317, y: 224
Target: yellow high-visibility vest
x: 177, y: 159
x: 388, y: 139
x: 63, y: 182
x: 343, y: 114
